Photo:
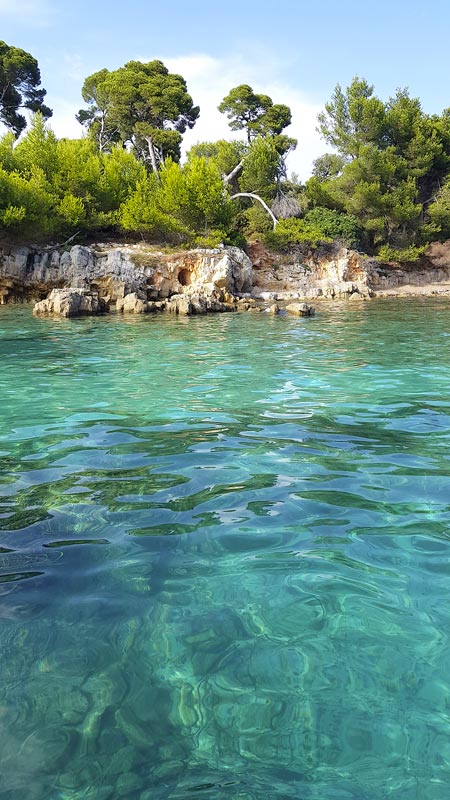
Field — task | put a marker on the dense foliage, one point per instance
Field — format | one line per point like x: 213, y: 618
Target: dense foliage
x: 390, y: 171
x: 384, y: 187
x: 50, y: 187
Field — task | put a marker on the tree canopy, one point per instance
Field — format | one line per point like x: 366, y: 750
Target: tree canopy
x: 390, y: 164
x: 20, y: 80
x: 141, y: 104
x: 254, y: 113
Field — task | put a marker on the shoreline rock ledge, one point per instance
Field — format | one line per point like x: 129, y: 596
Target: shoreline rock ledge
x: 139, y: 278
x: 71, y: 302
x: 112, y: 272
x: 135, y: 278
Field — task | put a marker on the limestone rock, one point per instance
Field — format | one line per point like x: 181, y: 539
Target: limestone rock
x: 189, y: 304
x: 132, y: 304
x: 179, y: 304
x: 267, y: 296
x: 300, y: 309
x: 274, y: 309
x: 330, y: 273
x: 115, y: 271
x: 356, y: 296
x: 223, y: 277
x: 232, y: 272
x: 72, y: 302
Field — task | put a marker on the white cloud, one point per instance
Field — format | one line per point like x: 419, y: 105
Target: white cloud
x: 209, y: 79
x: 63, y: 122
x: 28, y: 12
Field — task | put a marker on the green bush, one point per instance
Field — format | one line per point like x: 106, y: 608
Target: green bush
x: 12, y: 216
x: 335, y: 225
x: 211, y: 240
x: 408, y: 254
x: 256, y: 220
x: 72, y: 211
x: 295, y: 231
x: 185, y: 204
x: 26, y: 205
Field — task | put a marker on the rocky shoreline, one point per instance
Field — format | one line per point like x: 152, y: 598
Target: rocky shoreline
x: 141, y: 279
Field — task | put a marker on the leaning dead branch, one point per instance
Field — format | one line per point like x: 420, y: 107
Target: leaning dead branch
x: 63, y: 244
x: 254, y: 196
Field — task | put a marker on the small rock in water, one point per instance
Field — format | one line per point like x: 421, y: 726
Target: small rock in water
x: 301, y: 309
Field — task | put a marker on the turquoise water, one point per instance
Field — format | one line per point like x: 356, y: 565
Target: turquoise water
x: 224, y: 556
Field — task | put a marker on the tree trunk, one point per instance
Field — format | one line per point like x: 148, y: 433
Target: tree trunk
x: 254, y: 196
x: 228, y: 178
x: 152, y: 153
x: 100, y: 136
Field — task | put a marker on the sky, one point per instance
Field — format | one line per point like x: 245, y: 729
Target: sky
x: 295, y: 52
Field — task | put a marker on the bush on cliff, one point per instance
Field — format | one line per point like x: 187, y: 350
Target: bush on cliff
x: 409, y: 254
x: 335, y: 225
x: 292, y: 231
x: 319, y: 225
x: 25, y: 204
x: 50, y: 187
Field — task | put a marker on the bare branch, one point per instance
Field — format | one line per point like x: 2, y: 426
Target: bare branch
x: 264, y: 205
x: 55, y: 246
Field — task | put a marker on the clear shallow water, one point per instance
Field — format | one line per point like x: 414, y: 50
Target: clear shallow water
x: 224, y: 556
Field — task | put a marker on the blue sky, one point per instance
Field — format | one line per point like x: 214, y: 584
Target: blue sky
x: 294, y: 51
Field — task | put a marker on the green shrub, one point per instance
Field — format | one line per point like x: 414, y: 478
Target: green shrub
x: 256, y: 220
x: 12, y: 216
x: 408, y: 254
x: 295, y: 231
x: 72, y: 211
x: 210, y: 240
x: 236, y: 239
x: 26, y: 205
x: 335, y: 225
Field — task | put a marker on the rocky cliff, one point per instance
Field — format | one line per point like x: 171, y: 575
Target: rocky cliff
x: 28, y: 273
x: 115, y: 272
x: 338, y: 273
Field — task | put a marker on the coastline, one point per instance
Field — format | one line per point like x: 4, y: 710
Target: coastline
x: 139, y: 278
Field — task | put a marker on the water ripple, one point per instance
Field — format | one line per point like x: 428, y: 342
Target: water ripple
x: 225, y: 556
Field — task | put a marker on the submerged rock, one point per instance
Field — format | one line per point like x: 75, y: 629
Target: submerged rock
x: 128, y: 783
x: 301, y: 309
x: 72, y: 302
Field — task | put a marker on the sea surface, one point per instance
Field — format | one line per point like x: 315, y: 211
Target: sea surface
x: 225, y: 555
